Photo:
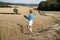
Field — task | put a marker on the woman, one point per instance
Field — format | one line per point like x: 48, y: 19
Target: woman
x: 30, y: 21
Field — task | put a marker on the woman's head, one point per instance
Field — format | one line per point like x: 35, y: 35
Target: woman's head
x: 30, y: 11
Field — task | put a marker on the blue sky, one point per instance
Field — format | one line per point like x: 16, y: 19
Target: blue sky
x: 23, y: 1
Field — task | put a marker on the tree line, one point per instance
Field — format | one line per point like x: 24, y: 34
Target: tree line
x: 49, y: 5
x: 3, y: 4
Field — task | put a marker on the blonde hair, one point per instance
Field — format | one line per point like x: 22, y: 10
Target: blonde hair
x: 30, y: 11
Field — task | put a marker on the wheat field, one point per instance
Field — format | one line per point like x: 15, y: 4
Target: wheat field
x: 13, y: 26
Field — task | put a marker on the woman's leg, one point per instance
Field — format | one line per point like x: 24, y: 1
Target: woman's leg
x: 29, y: 28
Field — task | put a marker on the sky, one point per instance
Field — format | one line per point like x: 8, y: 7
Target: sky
x: 23, y: 1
